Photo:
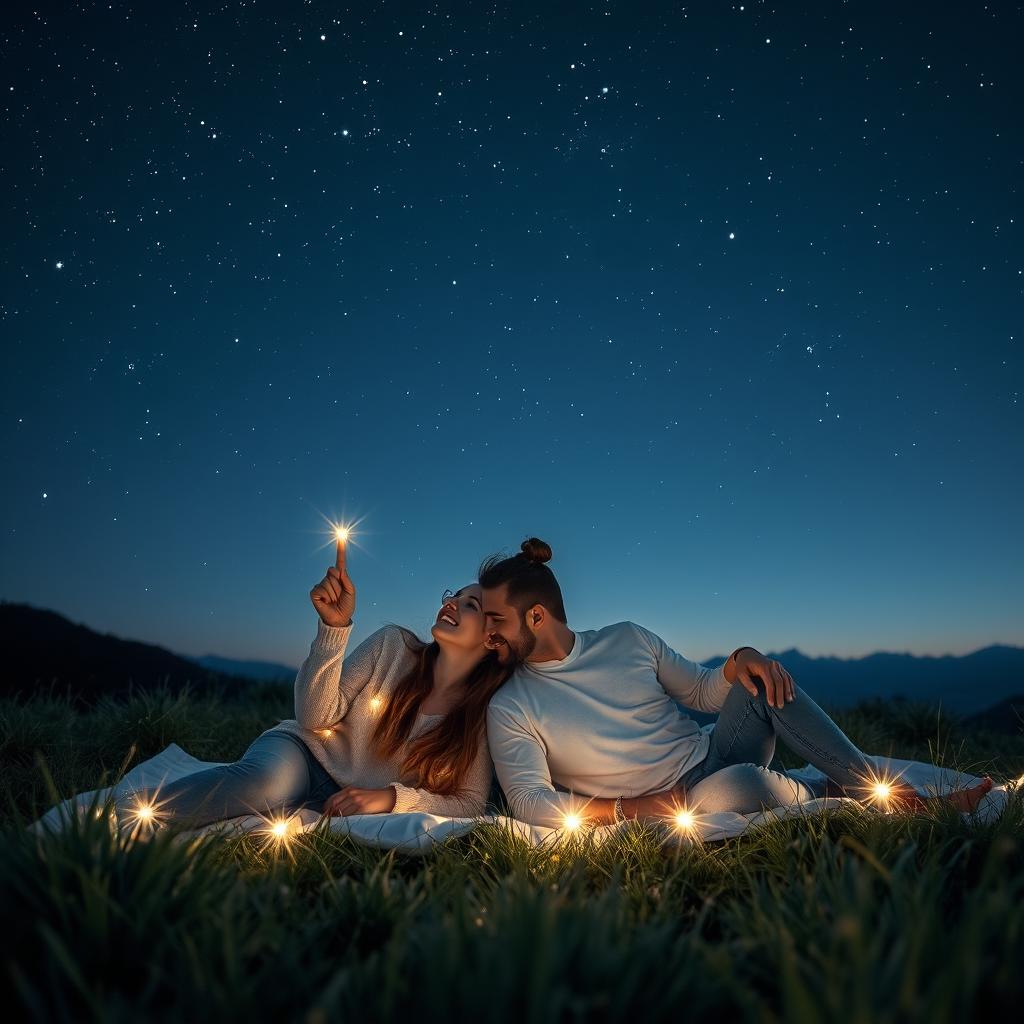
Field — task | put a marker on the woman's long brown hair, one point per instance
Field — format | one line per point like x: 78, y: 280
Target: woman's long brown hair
x: 439, y: 759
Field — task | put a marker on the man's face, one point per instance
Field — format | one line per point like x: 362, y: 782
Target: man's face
x: 504, y: 624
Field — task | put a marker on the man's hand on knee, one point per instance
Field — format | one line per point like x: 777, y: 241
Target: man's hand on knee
x: 752, y: 668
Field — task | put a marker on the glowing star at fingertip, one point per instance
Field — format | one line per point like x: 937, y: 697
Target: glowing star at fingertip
x: 341, y: 533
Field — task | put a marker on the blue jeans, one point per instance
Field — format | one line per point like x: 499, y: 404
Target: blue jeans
x: 734, y: 776
x: 277, y: 772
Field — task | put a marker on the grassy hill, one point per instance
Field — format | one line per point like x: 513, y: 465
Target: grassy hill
x: 851, y: 916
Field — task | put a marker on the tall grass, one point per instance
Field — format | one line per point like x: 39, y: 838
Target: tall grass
x: 845, y: 916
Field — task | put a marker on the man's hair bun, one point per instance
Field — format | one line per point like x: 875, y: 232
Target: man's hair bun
x: 536, y: 550
x: 528, y: 579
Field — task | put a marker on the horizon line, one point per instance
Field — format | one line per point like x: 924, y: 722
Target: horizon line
x: 700, y: 661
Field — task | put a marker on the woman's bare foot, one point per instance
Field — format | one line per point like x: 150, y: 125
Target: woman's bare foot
x: 902, y: 796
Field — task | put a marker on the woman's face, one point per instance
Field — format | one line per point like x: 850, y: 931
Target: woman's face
x: 460, y: 622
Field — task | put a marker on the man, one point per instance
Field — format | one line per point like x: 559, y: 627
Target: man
x: 588, y: 724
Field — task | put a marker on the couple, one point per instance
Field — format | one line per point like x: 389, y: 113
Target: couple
x: 584, y: 724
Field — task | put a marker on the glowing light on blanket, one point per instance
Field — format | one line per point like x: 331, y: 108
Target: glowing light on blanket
x: 883, y: 792
x: 280, y: 831
x: 141, y: 818
x: 144, y: 814
x: 685, y: 820
x: 571, y: 822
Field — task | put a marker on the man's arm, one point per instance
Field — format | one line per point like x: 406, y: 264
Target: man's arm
x: 521, y: 764
x: 706, y: 688
x: 696, y: 686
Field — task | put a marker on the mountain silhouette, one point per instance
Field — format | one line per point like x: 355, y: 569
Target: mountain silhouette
x: 265, y: 671
x: 42, y: 649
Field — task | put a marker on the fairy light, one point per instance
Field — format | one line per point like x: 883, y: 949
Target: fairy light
x: 571, y: 822
x: 142, y: 817
x: 277, y: 834
x: 376, y: 704
x: 881, y: 791
x: 326, y: 733
x: 281, y: 830
x: 684, y: 820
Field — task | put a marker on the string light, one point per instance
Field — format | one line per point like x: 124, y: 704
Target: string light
x: 881, y: 791
x: 143, y: 817
x: 376, y: 704
x: 280, y: 831
x: 684, y: 819
x: 326, y: 733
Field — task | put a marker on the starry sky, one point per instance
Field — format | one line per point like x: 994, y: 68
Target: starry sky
x: 722, y: 301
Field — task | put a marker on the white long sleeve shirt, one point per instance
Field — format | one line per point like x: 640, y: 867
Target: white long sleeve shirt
x: 601, y: 722
x: 337, y: 702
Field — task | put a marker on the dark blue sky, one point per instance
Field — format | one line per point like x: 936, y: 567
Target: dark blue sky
x: 722, y: 302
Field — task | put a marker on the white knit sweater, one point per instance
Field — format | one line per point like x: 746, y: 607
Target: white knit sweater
x: 337, y: 700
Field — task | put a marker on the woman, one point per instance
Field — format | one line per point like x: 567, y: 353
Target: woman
x: 398, y: 725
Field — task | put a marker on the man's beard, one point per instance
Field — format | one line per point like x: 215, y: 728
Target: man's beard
x: 522, y: 646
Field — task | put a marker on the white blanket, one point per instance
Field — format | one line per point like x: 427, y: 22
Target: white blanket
x: 418, y: 833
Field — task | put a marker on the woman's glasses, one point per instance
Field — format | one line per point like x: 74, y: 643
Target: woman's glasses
x: 448, y: 595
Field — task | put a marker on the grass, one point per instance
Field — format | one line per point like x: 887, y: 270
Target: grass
x: 849, y: 916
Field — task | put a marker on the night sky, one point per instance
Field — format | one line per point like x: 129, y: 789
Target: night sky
x: 723, y: 302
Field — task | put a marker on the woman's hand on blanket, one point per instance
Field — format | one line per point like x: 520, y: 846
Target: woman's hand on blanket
x: 352, y: 800
x: 751, y: 666
x: 334, y: 597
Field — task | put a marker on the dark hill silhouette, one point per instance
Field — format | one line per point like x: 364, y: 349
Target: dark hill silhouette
x: 1006, y: 717
x: 42, y: 648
